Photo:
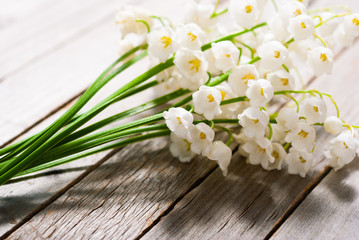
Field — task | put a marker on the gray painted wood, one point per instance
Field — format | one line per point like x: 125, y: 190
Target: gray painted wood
x: 119, y: 199
x: 331, y: 210
x: 83, y: 58
x: 259, y: 204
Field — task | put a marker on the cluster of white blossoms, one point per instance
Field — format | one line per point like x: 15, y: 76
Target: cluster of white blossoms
x: 245, y: 73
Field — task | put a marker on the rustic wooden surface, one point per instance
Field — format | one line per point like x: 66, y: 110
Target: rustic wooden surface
x: 146, y: 193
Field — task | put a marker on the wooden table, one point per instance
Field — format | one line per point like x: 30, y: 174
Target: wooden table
x: 50, y: 51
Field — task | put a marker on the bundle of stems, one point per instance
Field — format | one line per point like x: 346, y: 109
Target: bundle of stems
x: 63, y: 141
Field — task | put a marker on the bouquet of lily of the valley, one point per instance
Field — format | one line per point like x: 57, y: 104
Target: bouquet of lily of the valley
x: 235, y: 67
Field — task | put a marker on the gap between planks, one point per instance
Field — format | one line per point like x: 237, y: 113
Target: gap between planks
x: 58, y: 194
x: 290, y: 210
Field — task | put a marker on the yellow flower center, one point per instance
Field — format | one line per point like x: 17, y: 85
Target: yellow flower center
x: 323, y: 57
x: 297, y: 12
x: 179, y: 120
x: 276, y: 54
x: 192, y: 36
x: 355, y: 21
x: 188, y: 145
x: 302, y: 24
x: 262, y: 93
x: 275, y: 154
x: 302, y: 160
x: 210, y: 98
x: 228, y: 55
x: 202, y: 135
x: 196, y: 63
x: 284, y: 81
x: 316, y: 109
x: 223, y: 94
x: 345, y: 145
x: 303, y: 134
x: 262, y: 150
x: 166, y: 41
x: 248, y: 77
x: 248, y: 8
x: 255, y: 121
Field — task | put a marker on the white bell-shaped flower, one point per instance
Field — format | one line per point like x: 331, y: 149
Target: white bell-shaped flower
x: 179, y: 121
x: 291, y: 9
x: 226, y: 55
x: 273, y: 55
x: 193, y: 66
x: 341, y: 150
x: 299, y: 162
x: 302, y: 137
x: 352, y: 24
x: 239, y: 77
x: 190, y: 36
x: 228, y: 110
x: 254, y: 122
x: 313, y: 109
x: 279, y: 155
x: 333, y: 125
x: 245, y: 12
x: 207, y: 101
x: 181, y: 148
x: 212, y: 69
x: 127, y: 17
x: 199, y: 14
x: 202, y: 137
x: 221, y: 153
x: 259, y: 151
x: 278, y: 135
x: 161, y: 43
x: 301, y: 27
x: 287, y: 119
x: 278, y: 28
x: 320, y: 59
x: 259, y: 92
x: 281, y: 80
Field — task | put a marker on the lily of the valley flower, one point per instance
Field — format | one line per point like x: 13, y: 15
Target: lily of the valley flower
x: 161, y: 43
x: 259, y: 92
x: 226, y: 55
x: 181, y: 148
x: 254, y: 122
x: 193, y: 66
x: 299, y: 162
x: 321, y: 60
x: 179, y: 121
x: 239, y: 77
x: 207, y: 101
x: 221, y: 153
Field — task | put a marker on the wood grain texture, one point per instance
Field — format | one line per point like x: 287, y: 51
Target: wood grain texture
x: 83, y: 59
x: 138, y: 195
x: 331, y: 210
x: 121, y: 198
x: 251, y: 201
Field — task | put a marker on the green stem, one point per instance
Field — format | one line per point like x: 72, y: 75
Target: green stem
x: 75, y: 139
x: 119, y: 144
x: 234, y: 100
x: 231, y: 36
x: 40, y: 146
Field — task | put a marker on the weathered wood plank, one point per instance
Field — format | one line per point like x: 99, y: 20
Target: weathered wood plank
x: 251, y: 201
x: 48, y: 31
x: 12, y: 12
x: 331, y: 210
x: 97, y: 45
x: 121, y: 198
x: 28, y: 226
